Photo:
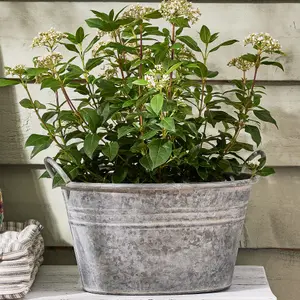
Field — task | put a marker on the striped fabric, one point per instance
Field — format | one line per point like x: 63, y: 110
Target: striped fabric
x: 21, y: 254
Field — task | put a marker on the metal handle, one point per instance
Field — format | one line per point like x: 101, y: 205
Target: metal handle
x: 254, y: 155
x: 51, y: 166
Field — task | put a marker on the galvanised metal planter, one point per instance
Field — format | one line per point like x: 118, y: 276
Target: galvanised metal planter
x: 155, y: 238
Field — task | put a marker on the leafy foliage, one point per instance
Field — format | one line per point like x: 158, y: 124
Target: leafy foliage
x: 151, y: 116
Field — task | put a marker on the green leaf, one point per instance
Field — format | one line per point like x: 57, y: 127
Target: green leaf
x: 180, y: 22
x: 67, y: 115
x: 26, y: 103
x: 149, y: 134
x: 201, y: 70
x: 156, y: 103
x: 189, y: 42
x: 57, y: 181
x: 205, y: 34
x: 250, y: 57
x: 36, y: 71
x: 174, y: 67
x: 125, y: 21
x: 128, y: 103
x: 74, y: 135
x: 111, y: 15
x: 8, y: 82
x: 91, y: 143
x: 254, y: 132
x: 212, y: 74
x: 92, y: 118
x: 227, y: 43
x: 51, y: 83
x: 111, y: 150
x: 37, y: 140
x: 273, y: 63
x: 140, y: 82
x: 102, y: 25
x: 122, y: 131
x: 266, y: 171
x: 239, y: 146
x: 37, y: 149
x: 146, y: 162
x: 71, y: 37
x: 213, y: 37
x: 39, y: 105
x: 177, y: 46
x: 91, y: 44
x: 168, y: 123
x: 159, y: 152
x: 265, y: 116
x: 93, y: 63
x: 45, y: 175
x: 79, y: 35
x: 48, y: 115
x: 119, y: 174
x: 153, y: 15
x: 101, y: 15
x: 71, y: 47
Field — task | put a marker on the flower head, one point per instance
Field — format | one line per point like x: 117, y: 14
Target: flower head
x: 97, y: 50
x: 241, y: 64
x: 171, y: 9
x: 48, y: 61
x: 263, y: 42
x: 48, y: 39
x: 156, y: 79
x: 137, y: 11
x: 109, y: 72
x: 186, y: 53
x: 18, y: 70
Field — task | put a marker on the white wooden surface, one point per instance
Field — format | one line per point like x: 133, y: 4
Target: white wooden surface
x: 62, y: 283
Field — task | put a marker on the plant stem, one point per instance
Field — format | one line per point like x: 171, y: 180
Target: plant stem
x: 205, y: 57
x: 118, y: 57
x: 173, y: 39
x: 39, y: 116
x: 59, y: 121
x: 141, y: 69
x: 86, y: 74
x: 241, y: 123
x: 73, y: 107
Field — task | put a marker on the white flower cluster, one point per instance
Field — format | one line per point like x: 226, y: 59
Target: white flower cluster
x: 48, y: 61
x: 157, y: 80
x: 96, y: 50
x: 109, y: 72
x: 48, y: 38
x: 171, y: 9
x: 137, y: 11
x: 263, y: 42
x: 186, y: 53
x: 241, y: 64
x: 17, y: 70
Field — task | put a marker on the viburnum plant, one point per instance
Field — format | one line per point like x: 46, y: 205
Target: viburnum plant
x: 134, y: 104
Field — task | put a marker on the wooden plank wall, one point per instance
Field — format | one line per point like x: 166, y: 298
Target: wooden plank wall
x: 273, y: 218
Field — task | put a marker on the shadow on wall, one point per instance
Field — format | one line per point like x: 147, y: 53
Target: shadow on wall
x: 24, y: 195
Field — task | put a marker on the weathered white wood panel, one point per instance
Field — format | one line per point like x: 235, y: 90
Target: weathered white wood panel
x: 57, y: 282
x: 22, y: 20
x: 273, y: 216
x: 282, y: 146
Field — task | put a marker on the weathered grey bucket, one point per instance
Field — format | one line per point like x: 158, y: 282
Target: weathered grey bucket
x: 155, y: 238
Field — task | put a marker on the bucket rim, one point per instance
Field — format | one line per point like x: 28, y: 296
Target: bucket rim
x: 129, y: 187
